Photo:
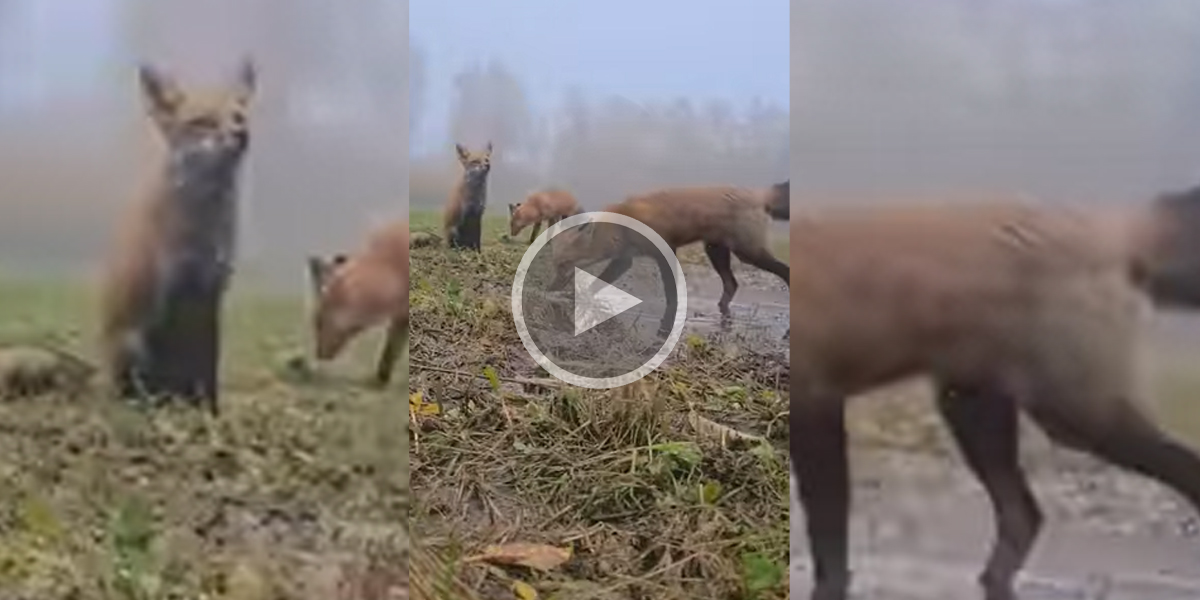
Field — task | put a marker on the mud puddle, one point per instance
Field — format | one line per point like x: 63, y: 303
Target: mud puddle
x: 760, y: 307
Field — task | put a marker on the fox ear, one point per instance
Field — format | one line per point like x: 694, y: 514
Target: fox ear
x: 247, y: 80
x: 161, y: 93
x: 488, y: 150
x: 512, y: 208
x: 318, y: 271
x: 463, y: 155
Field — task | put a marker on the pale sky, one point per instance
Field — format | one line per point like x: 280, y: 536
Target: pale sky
x: 643, y: 50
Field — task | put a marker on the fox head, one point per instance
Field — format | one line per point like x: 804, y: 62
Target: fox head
x: 476, y: 165
x: 521, y: 215
x: 581, y: 246
x: 206, y: 131
x: 336, y: 316
x: 320, y: 269
x: 1169, y: 254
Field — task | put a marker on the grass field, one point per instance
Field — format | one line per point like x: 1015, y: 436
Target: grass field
x: 298, y: 491
x: 647, y: 499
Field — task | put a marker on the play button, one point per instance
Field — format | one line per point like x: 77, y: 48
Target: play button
x: 592, y: 306
x: 599, y: 300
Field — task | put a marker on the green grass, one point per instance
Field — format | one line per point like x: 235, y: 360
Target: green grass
x: 651, y: 506
x: 296, y: 489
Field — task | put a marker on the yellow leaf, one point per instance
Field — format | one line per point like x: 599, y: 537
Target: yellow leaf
x: 524, y: 591
x: 710, y: 492
x: 418, y: 406
x: 534, y: 556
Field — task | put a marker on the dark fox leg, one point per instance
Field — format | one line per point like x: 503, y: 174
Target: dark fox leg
x: 817, y: 441
x: 394, y: 341
x: 762, y: 259
x: 719, y: 256
x: 203, y: 373
x: 533, y: 234
x: 183, y: 337
x: 984, y: 425
x: 128, y: 366
x: 452, y: 236
x: 615, y: 269
x: 668, y: 277
x: 469, y: 230
x: 1129, y: 441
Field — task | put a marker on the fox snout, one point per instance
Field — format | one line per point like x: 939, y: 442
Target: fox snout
x: 330, y: 343
x: 332, y: 332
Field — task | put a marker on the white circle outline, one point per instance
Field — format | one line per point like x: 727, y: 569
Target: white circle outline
x: 599, y: 383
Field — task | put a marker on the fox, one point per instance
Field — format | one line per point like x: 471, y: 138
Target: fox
x: 550, y: 205
x: 1008, y: 307
x: 356, y: 292
x: 463, y: 216
x: 727, y: 220
x: 173, y: 256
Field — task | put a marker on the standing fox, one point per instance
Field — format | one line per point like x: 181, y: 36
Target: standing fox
x: 1009, y: 308
x: 358, y: 292
x: 726, y: 219
x: 464, y: 212
x: 162, y: 296
x: 551, y: 206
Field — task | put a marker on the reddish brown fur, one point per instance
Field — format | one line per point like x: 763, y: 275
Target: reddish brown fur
x: 465, y: 206
x: 1008, y: 306
x: 361, y: 291
x: 726, y: 219
x: 154, y: 223
x: 550, y: 206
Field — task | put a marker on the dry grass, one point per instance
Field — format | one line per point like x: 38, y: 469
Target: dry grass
x: 298, y: 491
x: 650, y: 506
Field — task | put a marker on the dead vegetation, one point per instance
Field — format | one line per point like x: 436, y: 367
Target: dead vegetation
x: 296, y: 492
x: 672, y: 487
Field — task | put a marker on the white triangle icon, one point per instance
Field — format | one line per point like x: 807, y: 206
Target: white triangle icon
x: 594, y: 308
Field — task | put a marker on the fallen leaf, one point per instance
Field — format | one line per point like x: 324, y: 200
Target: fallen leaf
x: 524, y: 591
x: 418, y: 406
x: 534, y: 556
x: 492, y: 378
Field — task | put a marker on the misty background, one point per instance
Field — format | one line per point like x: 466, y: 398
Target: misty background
x: 605, y: 99
x: 329, y: 125
x: 1070, y: 100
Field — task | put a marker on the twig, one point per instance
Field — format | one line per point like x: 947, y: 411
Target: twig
x: 545, y: 382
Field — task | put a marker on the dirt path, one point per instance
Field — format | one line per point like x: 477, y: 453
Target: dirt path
x: 1109, y: 535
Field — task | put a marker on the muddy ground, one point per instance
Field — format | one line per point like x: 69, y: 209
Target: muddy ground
x: 922, y: 526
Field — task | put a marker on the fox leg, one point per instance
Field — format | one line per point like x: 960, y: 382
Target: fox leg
x: 762, y: 259
x: 719, y: 256
x: 182, y: 349
x: 671, y: 292
x: 983, y: 423
x: 396, y: 333
x: 536, y: 228
x: 817, y: 445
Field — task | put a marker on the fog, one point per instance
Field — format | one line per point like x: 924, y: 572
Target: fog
x: 604, y: 99
x: 1070, y: 100
x: 329, y: 155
